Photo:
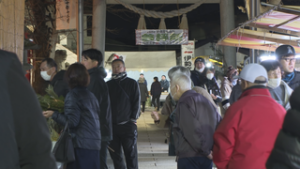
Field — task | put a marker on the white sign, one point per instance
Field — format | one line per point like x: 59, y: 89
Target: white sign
x: 187, y: 54
x: 66, y: 14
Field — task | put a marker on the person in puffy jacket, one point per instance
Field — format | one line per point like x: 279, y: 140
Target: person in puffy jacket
x: 286, y: 151
x: 155, y: 93
x: 81, y: 113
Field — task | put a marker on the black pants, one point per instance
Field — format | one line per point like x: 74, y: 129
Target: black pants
x: 85, y: 158
x: 143, y: 106
x: 103, y: 154
x: 155, y: 101
x: 124, y: 136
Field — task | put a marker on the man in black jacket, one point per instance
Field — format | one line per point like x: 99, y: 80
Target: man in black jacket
x: 125, y: 103
x: 25, y: 140
x: 286, y: 55
x: 91, y: 59
x: 49, y: 73
x: 198, y: 75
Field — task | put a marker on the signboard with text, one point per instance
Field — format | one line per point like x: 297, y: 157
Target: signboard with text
x: 187, y: 54
x: 161, y: 37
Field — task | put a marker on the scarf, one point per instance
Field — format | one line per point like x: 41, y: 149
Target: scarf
x: 289, y: 77
x: 119, y: 76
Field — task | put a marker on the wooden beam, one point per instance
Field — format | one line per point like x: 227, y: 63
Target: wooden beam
x: 279, y: 30
x: 288, y: 21
x: 163, y: 2
x: 257, y: 47
x: 293, y: 43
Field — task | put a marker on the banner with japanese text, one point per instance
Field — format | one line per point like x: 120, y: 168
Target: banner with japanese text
x: 187, y: 54
x: 161, y: 37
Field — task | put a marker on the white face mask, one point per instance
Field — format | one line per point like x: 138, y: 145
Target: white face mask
x: 45, y: 76
x: 210, y: 76
x: 234, y: 82
x: 200, y: 70
x: 274, y: 83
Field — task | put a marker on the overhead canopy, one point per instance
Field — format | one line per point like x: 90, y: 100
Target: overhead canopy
x: 280, y: 25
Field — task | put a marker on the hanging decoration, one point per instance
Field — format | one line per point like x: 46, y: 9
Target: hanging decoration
x: 162, y: 15
x: 162, y: 24
x: 142, y: 23
x: 184, y: 22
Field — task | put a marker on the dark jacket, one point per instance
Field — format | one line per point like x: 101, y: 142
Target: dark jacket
x: 295, y: 82
x: 25, y: 139
x: 60, y: 86
x: 155, y: 89
x: 199, y: 79
x: 235, y: 93
x: 81, y: 112
x: 195, y: 122
x: 102, y: 72
x: 145, y: 81
x: 286, y: 151
x: 212, y: 85
x: 144, y: 92
x: 125, y: 100
x: 164, y: 85
x: 99, y: 88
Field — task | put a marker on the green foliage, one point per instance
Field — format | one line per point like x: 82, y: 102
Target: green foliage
x: 51, y: 101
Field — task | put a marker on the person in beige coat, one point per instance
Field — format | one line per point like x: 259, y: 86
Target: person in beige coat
x: 226, y: 88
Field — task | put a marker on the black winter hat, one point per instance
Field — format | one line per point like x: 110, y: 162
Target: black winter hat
x: 199, y: 60
x: 284, y: 50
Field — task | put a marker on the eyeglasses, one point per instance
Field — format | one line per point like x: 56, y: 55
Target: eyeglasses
x: 289, y: 59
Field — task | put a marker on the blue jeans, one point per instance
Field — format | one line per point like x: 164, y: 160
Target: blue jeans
x: 194, y: 163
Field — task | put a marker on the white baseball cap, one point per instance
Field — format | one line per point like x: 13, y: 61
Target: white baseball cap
x: 252, y: 71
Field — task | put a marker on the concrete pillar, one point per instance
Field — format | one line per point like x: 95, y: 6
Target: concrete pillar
x: 99, y: 26
x: 227, y: 24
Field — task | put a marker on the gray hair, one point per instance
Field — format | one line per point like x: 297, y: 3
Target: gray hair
x: 183, y: 81
x: 178, y: 70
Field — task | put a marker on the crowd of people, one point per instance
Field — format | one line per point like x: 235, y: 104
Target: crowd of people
x: 250, y: 120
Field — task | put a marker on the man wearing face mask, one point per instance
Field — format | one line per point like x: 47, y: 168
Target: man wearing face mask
x: 246, y: 135
x: 198, y: 75
x: 279, y: 90
x: 212, y: 86
x: 286, y: 55
x: 49, y: 73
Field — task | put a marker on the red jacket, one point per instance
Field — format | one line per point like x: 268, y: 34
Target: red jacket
x: 246, y: 136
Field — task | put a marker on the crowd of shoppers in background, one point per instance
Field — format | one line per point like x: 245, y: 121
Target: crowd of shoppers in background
x: 259, y: 128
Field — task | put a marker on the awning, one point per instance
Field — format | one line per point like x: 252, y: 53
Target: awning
x: 280, y: 25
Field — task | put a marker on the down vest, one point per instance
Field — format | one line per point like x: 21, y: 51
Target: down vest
x: 81, y: 112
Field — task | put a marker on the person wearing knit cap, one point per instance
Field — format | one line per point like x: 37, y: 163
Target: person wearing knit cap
x: 286, y: 55
x: 198, y: 75
x: 286, y: 151
x: 227, y: 84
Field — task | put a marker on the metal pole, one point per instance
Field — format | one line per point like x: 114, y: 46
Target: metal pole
x: 252, y: 11
x: 80, y: 30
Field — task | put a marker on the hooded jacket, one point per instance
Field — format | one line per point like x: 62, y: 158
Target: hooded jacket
x: 287, y: 93
x: 99, y: 88
x: 25, y: 139
x: 245, y: 137
x: 195, y: 122
x: 125, y: 100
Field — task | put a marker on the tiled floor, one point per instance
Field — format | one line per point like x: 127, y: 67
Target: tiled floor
x: 152, y: 149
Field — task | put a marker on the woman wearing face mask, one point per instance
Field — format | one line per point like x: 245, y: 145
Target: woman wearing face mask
x: 227, y: 85
x: 212, y: 86
x: 279, y: 90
